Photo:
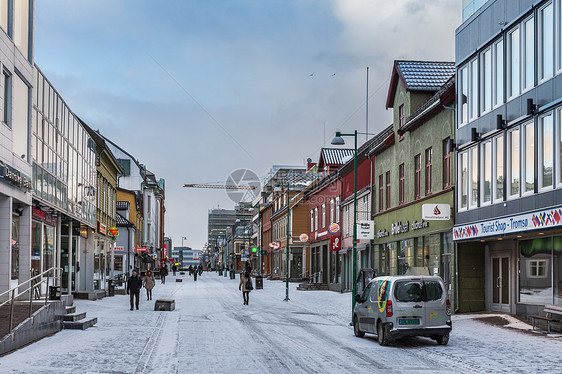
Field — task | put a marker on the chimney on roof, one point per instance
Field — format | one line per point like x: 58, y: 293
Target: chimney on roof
x: 309, y: 164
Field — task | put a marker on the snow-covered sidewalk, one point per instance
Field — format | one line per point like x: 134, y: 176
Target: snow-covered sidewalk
x: 212, y: 332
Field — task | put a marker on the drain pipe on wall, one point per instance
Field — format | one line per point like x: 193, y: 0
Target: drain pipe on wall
x: 453, y: 109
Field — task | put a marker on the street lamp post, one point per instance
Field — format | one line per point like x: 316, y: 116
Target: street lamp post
x: 338, y: 140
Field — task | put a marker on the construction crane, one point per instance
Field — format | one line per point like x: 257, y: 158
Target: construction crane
x: 221, y: 186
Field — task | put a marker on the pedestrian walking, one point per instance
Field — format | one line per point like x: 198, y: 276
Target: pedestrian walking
x: 134, y: 284
x: 190, y: 270
x: 245, y: 286
x: 200, y: 269
x: 174, y: 269
x: 163, y: 273
x: 195, y: 275
x: 148, y: 282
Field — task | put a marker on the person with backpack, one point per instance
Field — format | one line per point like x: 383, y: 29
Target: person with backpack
x: 245, y: 286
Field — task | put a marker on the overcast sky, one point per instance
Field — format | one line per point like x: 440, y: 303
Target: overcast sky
x: 196, y: 89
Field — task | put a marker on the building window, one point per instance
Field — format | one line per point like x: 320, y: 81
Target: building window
x: 388, y: 189
x: 486, y: 80
x: 546, y: 148
x: 473, y: 167
x: 487, y: 172
x: 323, y: 215
x: 529, y: 159
x: 529, y: 54
x: 463, y: 178
x: 346, y: 218
x: 366, y: 207
x: 7, y: 98
x: 546, y: 41
x: 446, y: 164
x: 401, y: 185
x: 473, y: 102
x: 316, y: 219
x: 311, y: 220
x: 337, y: 209
x: 428, y: 169
x: 499, y: 177
x: 332, y: 211
x: 417, y: 176
x: 381, y: 193
x: 401, y: 115
x: 463, y: 96
x: 513, y: 167
x: 498, y: 70
x: 20, y: 117
x: 513, y: 62
x: 536, y: 268
x: 537, y: 285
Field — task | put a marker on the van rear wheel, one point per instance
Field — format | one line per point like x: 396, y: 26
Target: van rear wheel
x: 358, y: 333
x: 381, y: 334
x: 442, y: 339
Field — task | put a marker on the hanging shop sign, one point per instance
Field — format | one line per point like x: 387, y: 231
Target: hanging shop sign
x: 436, y: 212
x: 366, y: 230
x: 274, y: 245
x: 542, y: 219
x: 118, y: 249
x: 335, y: 243
x: 102, y: 229
x: 334, y: 228
x: 113, y: 231
x: 141, y: 249
x: 303, y: 238
x: 15, y: 177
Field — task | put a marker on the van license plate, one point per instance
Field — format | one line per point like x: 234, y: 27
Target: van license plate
x: 411, y: 321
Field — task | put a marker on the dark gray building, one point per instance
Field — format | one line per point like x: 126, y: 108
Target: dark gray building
x: 508, y: 230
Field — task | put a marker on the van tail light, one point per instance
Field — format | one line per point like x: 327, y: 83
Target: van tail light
x: 448, y: 307
x: 389, y: 308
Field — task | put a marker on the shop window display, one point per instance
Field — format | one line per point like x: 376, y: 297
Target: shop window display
x: 535, y: 273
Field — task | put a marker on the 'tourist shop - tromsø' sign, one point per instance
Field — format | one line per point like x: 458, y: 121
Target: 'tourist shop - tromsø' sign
x: 541, y: 219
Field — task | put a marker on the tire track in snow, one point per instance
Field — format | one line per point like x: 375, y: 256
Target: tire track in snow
x: 150, y: 345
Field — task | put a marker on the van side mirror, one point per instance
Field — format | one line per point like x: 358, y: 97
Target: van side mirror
x: 358, y: 299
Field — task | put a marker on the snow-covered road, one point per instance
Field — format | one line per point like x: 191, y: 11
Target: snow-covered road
x: 212, y: 332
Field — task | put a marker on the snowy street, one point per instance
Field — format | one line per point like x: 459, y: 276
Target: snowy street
x: 210, y: 331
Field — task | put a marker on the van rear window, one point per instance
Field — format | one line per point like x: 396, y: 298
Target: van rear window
x: 408, y: 291
x: 433, y: 291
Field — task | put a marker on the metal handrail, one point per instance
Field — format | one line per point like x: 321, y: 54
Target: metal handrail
x: 35, y: 281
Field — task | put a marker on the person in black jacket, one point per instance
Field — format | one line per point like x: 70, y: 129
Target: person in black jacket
x: 163, y: 273
x: 134, y: 285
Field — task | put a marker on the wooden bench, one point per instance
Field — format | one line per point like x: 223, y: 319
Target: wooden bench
x: 550, y: 312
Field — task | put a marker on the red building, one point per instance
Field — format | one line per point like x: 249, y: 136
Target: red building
x: 324, y: 215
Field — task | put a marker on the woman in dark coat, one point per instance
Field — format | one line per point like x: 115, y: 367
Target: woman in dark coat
x: 244, y: 279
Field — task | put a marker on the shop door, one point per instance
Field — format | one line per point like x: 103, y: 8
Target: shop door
x: 66, y: 269
x: 296, y: 263
x: 325, y: 265
x: 500, y: 284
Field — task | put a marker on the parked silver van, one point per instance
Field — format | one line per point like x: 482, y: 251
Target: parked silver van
x: 397, y: 306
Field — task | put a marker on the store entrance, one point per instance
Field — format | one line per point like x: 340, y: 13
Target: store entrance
x: 500, y: 283
x: 68, y: 267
